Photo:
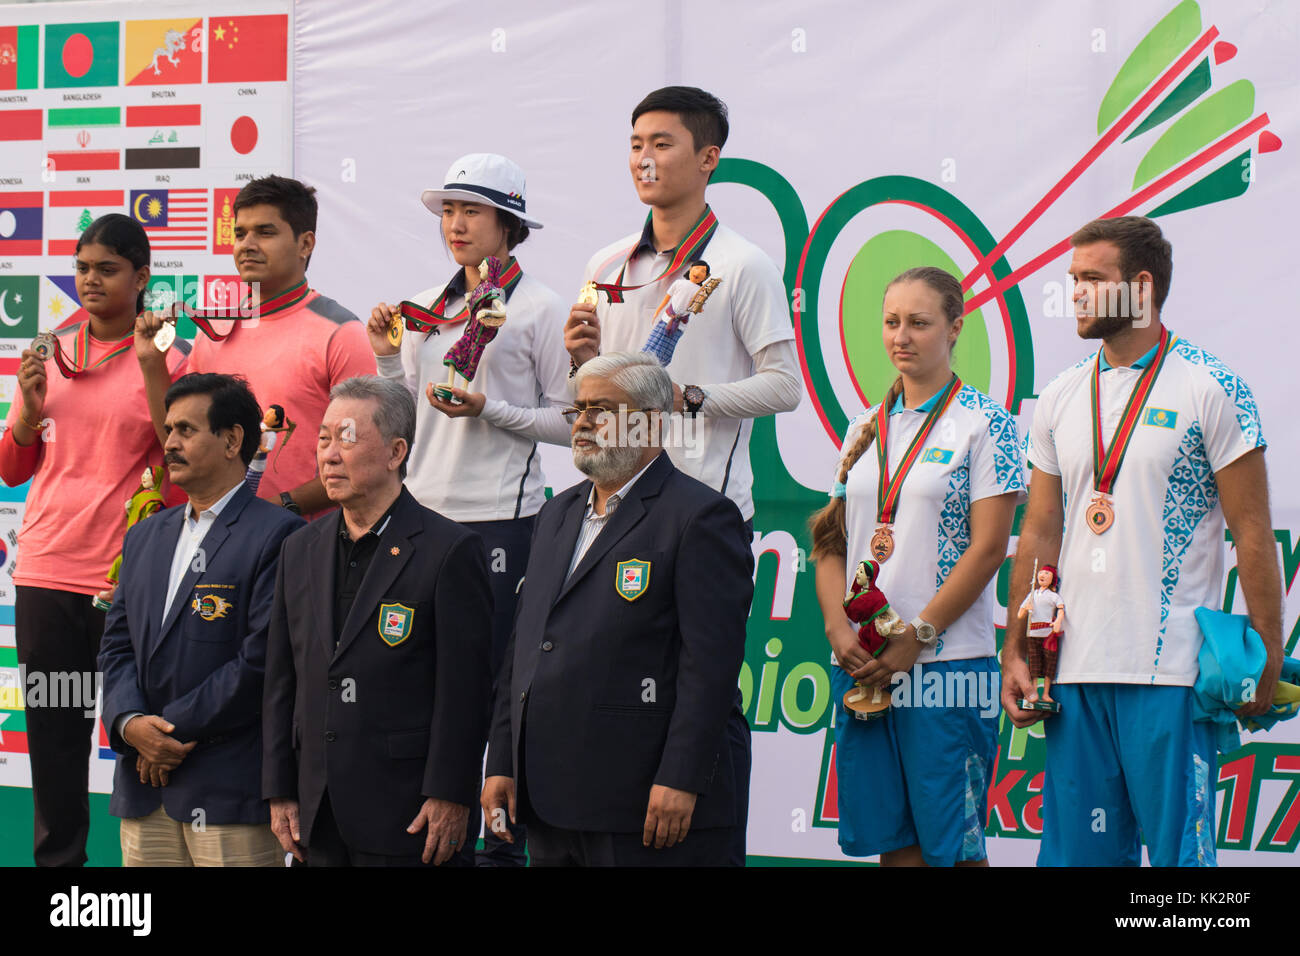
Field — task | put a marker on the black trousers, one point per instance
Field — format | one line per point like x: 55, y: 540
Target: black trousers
x: 58, y: 633
x: 553, y: 846
x: 328, y: 849
x: 508, y: 544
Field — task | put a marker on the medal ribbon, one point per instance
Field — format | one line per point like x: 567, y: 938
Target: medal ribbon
x: 81, y: 351
x: 687, y: 250
x: 1106, y: 461
x: 278, y: 303
x: 420, y: 319
x: 890, y: 487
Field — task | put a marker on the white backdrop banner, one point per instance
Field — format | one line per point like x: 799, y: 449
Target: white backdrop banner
x: 866, y: 138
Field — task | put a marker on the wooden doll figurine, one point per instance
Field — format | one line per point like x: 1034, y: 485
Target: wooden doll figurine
x: 487, y: 308
x: 1046, y: 613
x: 867, y: 606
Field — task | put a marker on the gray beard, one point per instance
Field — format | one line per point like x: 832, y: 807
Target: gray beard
x: 608, y: 466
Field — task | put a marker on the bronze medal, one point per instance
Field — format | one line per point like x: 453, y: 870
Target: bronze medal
x: 882, y: 543
x: 1100, y: 515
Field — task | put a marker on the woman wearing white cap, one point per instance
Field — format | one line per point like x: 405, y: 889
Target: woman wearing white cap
x: 475, y: 458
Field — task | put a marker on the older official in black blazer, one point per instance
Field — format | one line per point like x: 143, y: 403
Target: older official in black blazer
x: 612, y: 704
x: 378, y: 682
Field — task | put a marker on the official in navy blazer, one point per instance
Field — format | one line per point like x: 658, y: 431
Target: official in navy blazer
x: 378, y: 674
x: 612, y: 704
x: 185, y: 641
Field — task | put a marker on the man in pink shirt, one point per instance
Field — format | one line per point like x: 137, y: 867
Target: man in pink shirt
x: 299, y: 345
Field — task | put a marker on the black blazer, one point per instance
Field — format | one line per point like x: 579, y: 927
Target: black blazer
x: 201, y: 667
x: 627, y: 669
x: 399, y: 712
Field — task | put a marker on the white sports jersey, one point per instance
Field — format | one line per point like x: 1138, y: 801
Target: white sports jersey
x: 973, y: 452
x: 469, y: 469
x: 1132, y: 591
x: 1043, y: 603
x: 747, y: 312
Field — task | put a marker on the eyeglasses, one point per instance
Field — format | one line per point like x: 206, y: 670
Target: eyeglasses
x: 599, y: 414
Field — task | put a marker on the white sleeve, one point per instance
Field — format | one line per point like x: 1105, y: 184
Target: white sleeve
x: 995, y: 465
x: 551, y: 372
x: 1230, y: 419
x: 405, y: 365
x: 1042, y: 440
x: 774, y: 387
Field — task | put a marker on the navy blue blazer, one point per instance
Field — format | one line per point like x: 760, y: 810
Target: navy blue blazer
x: 624, y: 675
x: 201, y: 668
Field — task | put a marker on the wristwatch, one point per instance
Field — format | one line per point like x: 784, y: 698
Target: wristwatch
x: 925, y: 633
x: 287, y: 500
x: 692, y: 398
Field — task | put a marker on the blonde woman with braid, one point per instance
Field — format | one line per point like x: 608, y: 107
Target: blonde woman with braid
x: 913, y: 784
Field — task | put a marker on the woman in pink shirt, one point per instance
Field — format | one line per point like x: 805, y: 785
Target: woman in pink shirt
x: 80, y: 431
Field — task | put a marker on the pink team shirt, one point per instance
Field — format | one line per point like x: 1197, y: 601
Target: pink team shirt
x: 85, y: 469
x: 292, y: 359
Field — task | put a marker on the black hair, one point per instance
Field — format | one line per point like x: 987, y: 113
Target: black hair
x: 296, y: 201
x: 232, y: 404
x: 516, y: 231
x: 699, y: 262
x: 124, y: 237
x: 703, y: 114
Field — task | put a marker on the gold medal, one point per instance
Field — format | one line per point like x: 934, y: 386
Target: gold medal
x: 44, y: 344
x: 164, y: 337
x: 1100, y: 514
x: 589, y: 295
x: 882, y: 543
x: 395, y: 329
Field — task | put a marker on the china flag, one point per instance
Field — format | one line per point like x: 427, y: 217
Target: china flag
x: 248, y: 49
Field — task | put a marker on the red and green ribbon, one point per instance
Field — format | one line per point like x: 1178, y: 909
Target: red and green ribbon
x: 687, y: 251
x: 420, y: 319
x: 890, y: 487
x: 1106, y: 461
x: 287, y: 299
x: 81, y: 352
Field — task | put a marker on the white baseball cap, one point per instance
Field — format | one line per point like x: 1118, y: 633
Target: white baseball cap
x: 483, y: 178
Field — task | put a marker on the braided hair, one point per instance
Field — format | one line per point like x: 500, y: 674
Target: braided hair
x: 829, y: 533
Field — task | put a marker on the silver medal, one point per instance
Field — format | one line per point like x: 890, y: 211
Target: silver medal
x: 164, y: 337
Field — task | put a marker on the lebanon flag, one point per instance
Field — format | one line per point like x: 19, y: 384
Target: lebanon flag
x: 81, y: 54
x: 163, y: 52
x: 19, y: 65
x: 72, y: 211
x: 248, y: 49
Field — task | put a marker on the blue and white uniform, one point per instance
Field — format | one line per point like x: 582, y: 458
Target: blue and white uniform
x: 1124, y: 741
x: 920, y: 775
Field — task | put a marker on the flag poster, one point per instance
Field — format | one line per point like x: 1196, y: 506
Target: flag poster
x: 156, y: 111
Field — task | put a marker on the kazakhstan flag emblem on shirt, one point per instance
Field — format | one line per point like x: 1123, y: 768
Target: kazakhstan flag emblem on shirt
x: 940, y: 456
x: 1160, y: 417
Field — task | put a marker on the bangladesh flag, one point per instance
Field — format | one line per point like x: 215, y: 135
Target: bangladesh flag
x: 18, y: 57
x: 82, y: 54
x: 20, y: 301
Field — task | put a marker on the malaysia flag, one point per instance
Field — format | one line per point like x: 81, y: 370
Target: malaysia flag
x: 174, y: 219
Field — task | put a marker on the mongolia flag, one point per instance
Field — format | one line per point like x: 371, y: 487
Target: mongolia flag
x: 164, y: 52
x: 20, y: 223
x: 81, y: 54
x: 248, y: 49
x: 223, y: 221
x: 71, y: 213
x: 19, y: 67
x: 174, y: 219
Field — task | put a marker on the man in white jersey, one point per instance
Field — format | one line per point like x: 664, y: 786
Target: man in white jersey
x: 737, y: 366
x: 1140, y: 453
